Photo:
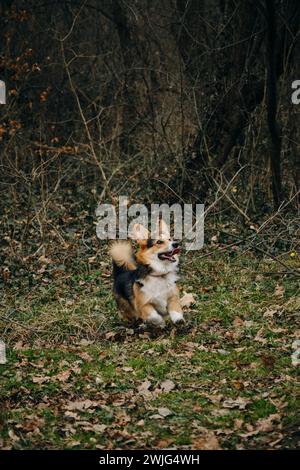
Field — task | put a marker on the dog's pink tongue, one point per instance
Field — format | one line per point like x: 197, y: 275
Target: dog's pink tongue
x: 176, y: 250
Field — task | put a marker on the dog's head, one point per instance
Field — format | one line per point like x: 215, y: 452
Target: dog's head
x: 159, y: 253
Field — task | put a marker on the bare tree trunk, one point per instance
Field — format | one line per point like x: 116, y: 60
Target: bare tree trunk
x: 243, y: 91
x: 148, y: 66
x: 275, y: 137
x: 128, y: 48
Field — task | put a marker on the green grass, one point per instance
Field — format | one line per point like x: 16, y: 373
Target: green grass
x: 228, y: 351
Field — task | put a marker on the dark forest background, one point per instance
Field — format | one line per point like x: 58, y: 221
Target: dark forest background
x: 173, y: 100
x: 161, y: 101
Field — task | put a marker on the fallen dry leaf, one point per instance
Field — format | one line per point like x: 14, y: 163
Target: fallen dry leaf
x: 296, y: 344
x: 259, y: 336
x: 32, y: 424
x: 80, y: 405
x: 97, y: 428
x: 163, y: 411
x: 238, y: 423
x: 143, y: 389
x: 74, y: 443
x: 263, y: 425
x: 213, y: 398
x: 70, y: 414
x: 13, y: 436
x: 277, y: 330
x: 296, y: 354
x: 220, y: 412
x: 110, y: 334
x: 85, y: 342
x: 239, y: 403
x: 164, y: 443
x: 187, y: 300
x: 167, y: 385
x: 269, y: 313
x: 62, y: 376
x: 40, y: 379
x: 156, y: 416
x: 268, y: 361
x: 238, y: 322
x: 85, y: 356
x: 279, y: 291
x: 267, y: 424
x: 44, y: 260
x: 206, y: 442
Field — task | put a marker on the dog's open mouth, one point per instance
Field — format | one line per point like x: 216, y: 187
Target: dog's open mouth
x: 169, y: 255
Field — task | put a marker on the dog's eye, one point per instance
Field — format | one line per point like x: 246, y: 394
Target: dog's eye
x: 159, y: 242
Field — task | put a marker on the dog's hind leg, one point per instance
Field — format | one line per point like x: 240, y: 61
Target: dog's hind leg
x: 126, y: 311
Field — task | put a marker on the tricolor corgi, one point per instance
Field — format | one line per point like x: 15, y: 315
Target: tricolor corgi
x: 145, y: 283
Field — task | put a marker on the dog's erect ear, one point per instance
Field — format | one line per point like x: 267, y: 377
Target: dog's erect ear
x: 163, y: 230
x: 140, y: 234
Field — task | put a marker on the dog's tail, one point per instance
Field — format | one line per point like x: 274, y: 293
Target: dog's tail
x: 122, y: 256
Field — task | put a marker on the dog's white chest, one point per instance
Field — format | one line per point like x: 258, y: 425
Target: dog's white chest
x: 158, y: 289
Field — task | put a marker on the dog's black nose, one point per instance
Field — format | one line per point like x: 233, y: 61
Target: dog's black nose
x: 175, y: 244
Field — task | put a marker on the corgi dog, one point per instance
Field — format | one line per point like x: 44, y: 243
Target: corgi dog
x: 145, y: 284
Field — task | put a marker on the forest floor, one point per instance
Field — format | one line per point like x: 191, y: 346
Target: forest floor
x: 76, y: 377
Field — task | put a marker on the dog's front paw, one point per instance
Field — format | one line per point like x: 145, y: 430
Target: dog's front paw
x: 176, y: 317
x: 156, y: 320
